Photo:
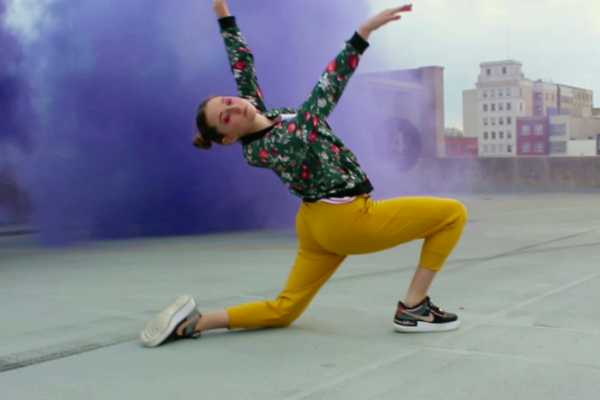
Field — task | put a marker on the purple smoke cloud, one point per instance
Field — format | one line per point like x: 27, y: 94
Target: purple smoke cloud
x: 116, y: 85
x: 15, y: 97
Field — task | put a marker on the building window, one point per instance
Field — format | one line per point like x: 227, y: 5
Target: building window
x: 493, y: 121
x: 484, y: 93
x: 489, y: 71
x: 485, y: 121
x: 509, y: 134
x: 508, y: 91
x: 509, y: 148
x: 486, y: 149
x: 508, y: 106
x: 500, y: 106
x: 485, y: 135
x: 508, y: 120
x: 500, y: 92
x: 501, y: 135
x: 493, y: 106
x: 494, y: 148
x: 539, y: 147
x: 525, y: 130
x: 501, y: 121
x: 493, y: 135
x: 520, y: 106
x: 493, y: 92
x: 503, y: 70
x: 558, y: 129
x: 485, y: 107
x: 539, y: 129
x: 501, y: 149
x: 558, y: 147
x: 525, y: 148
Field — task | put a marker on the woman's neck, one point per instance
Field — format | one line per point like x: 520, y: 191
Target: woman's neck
x: 260, y: 122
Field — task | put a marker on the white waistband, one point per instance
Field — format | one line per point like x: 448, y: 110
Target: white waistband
x: 338, y: 200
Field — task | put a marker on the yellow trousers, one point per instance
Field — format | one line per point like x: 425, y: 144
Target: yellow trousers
x: 328, y: 233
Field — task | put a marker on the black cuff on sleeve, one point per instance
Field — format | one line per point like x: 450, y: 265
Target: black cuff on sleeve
x: 227, y: 22
x: 359, y: 43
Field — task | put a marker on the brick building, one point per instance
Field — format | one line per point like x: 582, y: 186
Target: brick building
x: 457, y: 146
x: 533, y: 137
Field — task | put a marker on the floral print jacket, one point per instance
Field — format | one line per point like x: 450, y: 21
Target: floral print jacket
x: 301, y: 148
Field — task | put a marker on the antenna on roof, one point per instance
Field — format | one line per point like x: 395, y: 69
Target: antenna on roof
x: 508, y: 43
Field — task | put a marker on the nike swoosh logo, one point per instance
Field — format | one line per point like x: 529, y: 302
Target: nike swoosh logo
x: 428, y: 318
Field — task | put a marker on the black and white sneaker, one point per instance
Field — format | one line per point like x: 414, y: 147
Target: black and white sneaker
x: 163, y: 327
x: 424, y: 317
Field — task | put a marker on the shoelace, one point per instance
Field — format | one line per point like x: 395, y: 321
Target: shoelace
x: 435, y: 308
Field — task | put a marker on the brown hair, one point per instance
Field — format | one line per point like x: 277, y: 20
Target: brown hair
x: 208, y: 134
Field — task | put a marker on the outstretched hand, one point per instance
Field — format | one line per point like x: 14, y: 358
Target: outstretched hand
x: 220, y: 7
x: 381, y: 19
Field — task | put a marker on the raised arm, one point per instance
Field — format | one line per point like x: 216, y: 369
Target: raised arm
x: 326, y: 94
x: 240, y: 56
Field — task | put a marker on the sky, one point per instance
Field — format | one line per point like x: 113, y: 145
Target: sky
x: 554, y: 39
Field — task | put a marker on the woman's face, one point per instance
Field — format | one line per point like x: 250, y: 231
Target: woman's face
x: 231, y: 116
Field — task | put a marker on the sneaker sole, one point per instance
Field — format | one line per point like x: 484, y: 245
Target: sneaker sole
x: 162, y: 325
x: 424, y: 327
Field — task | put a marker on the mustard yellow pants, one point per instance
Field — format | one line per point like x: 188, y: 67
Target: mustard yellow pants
x: 329, y: 232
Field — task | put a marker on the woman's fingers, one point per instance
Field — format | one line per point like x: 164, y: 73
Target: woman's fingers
x: 404, y: 8
x: 407, y: 7
x: 391, y: 18
x: 386, y: 16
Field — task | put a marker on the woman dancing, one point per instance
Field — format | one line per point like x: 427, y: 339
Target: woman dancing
x: 337, y: 216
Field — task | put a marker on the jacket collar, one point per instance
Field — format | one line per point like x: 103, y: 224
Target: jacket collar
x: 274, y: 115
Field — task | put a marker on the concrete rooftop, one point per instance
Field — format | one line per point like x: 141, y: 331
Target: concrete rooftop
x: 525, y: 280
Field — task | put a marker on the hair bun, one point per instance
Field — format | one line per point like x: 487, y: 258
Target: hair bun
x: 202, y: 143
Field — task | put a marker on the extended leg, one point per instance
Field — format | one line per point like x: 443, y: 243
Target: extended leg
x: 310, y: 271
x: 312, y: 268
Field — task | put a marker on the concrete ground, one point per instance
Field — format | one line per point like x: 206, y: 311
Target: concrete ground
x: 525, y: 280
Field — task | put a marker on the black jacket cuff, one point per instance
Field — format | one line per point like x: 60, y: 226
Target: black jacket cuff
x: 359, y: 43
x: 227, y: 22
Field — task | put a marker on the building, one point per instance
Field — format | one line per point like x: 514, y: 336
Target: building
x: 533, y: 136
x: 407, y: 107
x: 503, y: 94
x: 460, y: 146
x: 505, y: 105
x: 546, y: 98
x: 573, y: 136
x: 575, y: 101
x: 557, y: 135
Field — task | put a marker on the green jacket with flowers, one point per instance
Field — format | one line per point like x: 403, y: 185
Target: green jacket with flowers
x: 301, y: 147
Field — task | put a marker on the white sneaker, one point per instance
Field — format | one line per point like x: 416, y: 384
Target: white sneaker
x: 163, y: 327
